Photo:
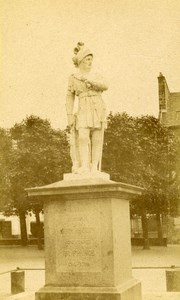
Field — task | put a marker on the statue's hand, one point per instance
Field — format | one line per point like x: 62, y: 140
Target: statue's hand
x: 70, y: 120
x: 88, y: 85
x: 82, y: 78
x: 87, y: 82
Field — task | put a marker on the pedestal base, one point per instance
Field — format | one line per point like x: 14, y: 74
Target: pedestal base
x: 130, y: 290
x: 91, y: 175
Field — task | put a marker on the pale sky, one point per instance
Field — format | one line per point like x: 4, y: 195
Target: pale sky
x: 132, y: 41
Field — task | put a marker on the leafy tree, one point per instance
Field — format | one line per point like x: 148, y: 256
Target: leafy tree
x: 158, y: 161
x: 5, y: 152
x: 120, y: 148
x: 141, y: 151
x: 39, y: 158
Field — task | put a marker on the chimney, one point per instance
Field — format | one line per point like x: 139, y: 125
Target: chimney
x: 162, y: 90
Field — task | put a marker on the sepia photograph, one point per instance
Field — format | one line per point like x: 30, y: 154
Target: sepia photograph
x: 90, y: 150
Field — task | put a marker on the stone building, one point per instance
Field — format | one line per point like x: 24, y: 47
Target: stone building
x: 169, y: 106
x: 169, y: 115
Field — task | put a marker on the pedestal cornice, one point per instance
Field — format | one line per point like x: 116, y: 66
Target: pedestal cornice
x: 90, y: 187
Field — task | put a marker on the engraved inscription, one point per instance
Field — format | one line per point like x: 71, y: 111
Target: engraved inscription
x: 78, y: 238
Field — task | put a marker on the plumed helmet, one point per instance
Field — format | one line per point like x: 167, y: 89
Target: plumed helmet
x: 80, y: 52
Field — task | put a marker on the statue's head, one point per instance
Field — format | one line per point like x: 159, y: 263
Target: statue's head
x: 83, y: 57
x: 86, y: 63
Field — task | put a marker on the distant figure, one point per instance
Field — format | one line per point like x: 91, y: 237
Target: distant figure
x: 87, y: 125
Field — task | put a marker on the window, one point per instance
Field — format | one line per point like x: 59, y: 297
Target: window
x: 178, y: 115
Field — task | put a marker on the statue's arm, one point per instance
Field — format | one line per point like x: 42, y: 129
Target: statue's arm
x: 98, y: 86
x: 69, y: 108
x: 70, y: 102
x: 97, y: 83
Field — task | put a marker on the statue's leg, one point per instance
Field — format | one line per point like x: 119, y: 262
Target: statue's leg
x: 96, y: 148
x: 84, y: 142
x: 74, y: 151
x: 78, y: 162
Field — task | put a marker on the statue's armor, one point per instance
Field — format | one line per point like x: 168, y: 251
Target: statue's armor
x: 91, y: 109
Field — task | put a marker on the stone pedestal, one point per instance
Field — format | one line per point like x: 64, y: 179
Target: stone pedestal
x: 87, y: 240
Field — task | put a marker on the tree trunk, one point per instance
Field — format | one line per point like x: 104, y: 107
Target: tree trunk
x: 38, y: 224
x: 159, y: 228
x: 22, y: 217
x: 144, y: 221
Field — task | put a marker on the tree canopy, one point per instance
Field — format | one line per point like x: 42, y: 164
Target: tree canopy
x: 5, y: 153
x: 39, y: 156
x: 140, y: 151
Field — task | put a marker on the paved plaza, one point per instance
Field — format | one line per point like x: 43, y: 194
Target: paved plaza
x: 144, y: 264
